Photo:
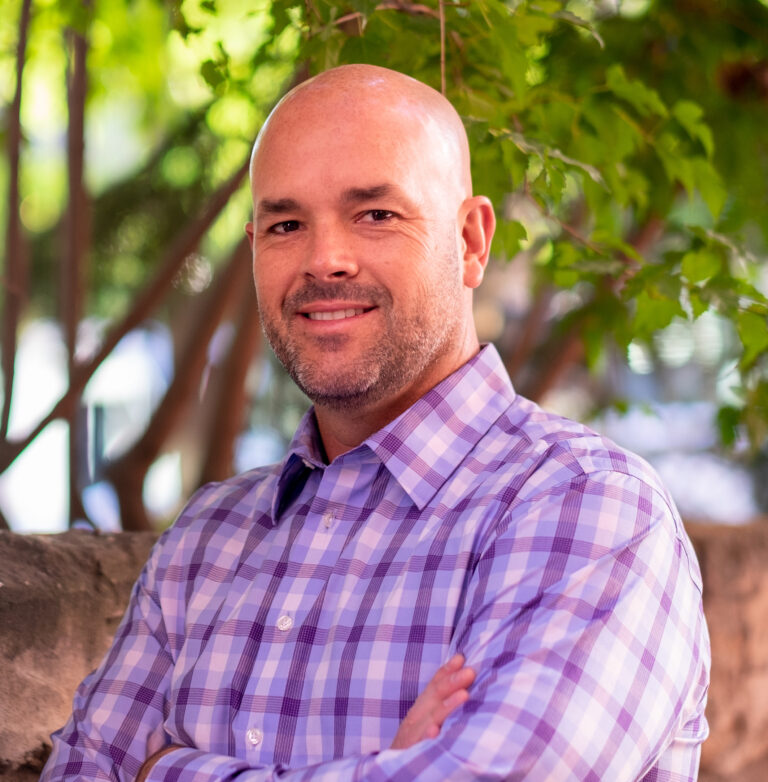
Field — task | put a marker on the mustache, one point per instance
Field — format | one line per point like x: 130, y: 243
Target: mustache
x: 344, y: 290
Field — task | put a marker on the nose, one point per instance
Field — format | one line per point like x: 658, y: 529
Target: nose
x: 330, y: 254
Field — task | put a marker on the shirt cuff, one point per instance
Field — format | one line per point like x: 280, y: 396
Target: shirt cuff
x: 194, y: 765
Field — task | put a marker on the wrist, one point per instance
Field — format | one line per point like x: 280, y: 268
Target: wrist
x: 146, y: 766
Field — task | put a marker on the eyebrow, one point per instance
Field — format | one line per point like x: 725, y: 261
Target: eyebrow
x: 355, y: 195
x: 277, y: 206
x: 352, y: 195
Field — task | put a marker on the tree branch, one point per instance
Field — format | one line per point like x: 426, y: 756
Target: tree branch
x: 441, y: 8
x: 143, y: 305
x: 127, y: 473
x: 230, y: 410
x: 15, y: 259
x: 77, y: 241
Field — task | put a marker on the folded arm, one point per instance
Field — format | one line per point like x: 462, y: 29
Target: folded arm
x: 591, y: 662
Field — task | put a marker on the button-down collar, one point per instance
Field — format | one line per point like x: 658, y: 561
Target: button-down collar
x: 423, y: 445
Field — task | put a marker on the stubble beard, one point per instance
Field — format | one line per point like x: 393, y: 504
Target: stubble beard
x: 406, y: 347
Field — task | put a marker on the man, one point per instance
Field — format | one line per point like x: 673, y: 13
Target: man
x: 294, y: 621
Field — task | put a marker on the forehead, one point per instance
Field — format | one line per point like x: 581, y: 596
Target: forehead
x: 341, y: 141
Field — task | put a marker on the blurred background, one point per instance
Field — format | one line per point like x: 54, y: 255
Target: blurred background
x: 623, y: 144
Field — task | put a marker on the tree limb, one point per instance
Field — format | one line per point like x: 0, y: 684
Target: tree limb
x: 142, y: 307
x: 15, y: 261
x: 127, y: 473
x: 231, y: 407
x: 76, y: 247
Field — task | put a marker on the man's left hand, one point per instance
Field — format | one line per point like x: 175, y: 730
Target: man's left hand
x: 446, y: 691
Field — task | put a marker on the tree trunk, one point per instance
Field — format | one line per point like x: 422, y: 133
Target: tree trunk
x: 77, y: 234
x: 569, y: 352
x: 142, y: 307
x: 127, y: 473
x: 232, y: 403
x: 15, y: 258
x: 530, y: 332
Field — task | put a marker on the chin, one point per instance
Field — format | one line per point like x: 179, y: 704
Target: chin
x: 341, y: 396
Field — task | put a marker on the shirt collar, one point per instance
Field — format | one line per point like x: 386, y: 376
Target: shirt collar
x: 421, y: 447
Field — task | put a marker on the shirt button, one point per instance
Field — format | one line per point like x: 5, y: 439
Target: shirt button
x: 328, y: 519
x: 254, y: 736
x: 308, y: 464
x: 284, y: 623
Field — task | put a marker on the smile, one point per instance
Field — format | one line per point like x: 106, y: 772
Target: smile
x: 334, y: 314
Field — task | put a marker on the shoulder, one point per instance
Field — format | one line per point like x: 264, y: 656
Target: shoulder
x: 541, y: 451
x: 549, y: 478
x: 218, y: 519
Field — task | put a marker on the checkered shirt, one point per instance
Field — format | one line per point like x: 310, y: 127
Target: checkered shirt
x: 287, y: 621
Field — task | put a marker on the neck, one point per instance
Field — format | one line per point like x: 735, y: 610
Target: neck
x: 341, y: 430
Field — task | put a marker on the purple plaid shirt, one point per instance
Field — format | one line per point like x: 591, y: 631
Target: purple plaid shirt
x: 287, y: 621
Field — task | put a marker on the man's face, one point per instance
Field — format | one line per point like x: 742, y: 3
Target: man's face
x: 356, y: 255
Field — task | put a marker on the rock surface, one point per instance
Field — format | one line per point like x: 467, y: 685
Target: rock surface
x: 61, y: 599
x: 734, y: 564
x: 62, y: 596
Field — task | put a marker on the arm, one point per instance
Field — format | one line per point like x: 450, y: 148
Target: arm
x: 118, y: 709
x: 583, y: 621
x: 445, y: 692
x: 588, y: 642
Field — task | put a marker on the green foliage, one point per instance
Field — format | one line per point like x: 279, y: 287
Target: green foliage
x: 591, y: 132
x: 605, y: 127
x: 176, y: 94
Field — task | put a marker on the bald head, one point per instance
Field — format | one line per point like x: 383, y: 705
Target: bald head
x: 367, y: 99
x: 367, y: 244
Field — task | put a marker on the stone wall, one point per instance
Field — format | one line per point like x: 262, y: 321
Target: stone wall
x: 734, y: 564
x: 61, y: 599
x: 62, y: 596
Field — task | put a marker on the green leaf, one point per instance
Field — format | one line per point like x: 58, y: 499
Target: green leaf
x: 700, y: 265
x: 509, y: 234
x: 281, y: 13
x: 529, y: 147
x: 753, y: 332
x: 643, y: 99
x: 583, y: 24
x: 709, y: 184
x: 728, y: 419
x: 211, y: 73
x: 689, y: 115
x: 654, y: 312
x: 677, y: 165
x: 698, y: 305
x: 564, y: 259
x: 531, y: 29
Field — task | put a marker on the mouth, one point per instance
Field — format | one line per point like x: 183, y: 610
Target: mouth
x: 327, y: 312
x: 340, y: 314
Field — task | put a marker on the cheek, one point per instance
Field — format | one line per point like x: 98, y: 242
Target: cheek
x: 406, y: 255
x: 269, y: 285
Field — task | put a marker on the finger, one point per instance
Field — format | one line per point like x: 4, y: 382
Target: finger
x: 463, y: 678
x: 451, y: 703
x: 440, y: 711
x: 458, y: 679
x: 448, y: 668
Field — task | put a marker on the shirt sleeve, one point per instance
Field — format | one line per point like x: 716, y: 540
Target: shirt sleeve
x: 584, y: 624
x: 118, y: 713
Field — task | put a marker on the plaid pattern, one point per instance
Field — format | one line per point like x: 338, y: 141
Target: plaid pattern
x: 284, y: 625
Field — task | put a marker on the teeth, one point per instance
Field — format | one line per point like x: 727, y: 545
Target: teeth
x: 335, y: 314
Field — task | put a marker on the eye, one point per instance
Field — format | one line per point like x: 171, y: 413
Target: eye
x: 377, y: 215
x: 284, y: 227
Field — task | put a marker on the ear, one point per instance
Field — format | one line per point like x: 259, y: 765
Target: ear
x: 478, y: 222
